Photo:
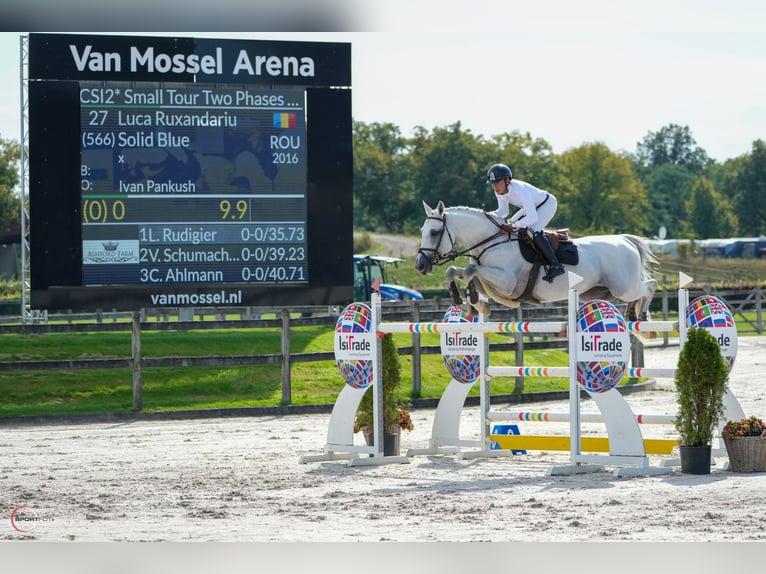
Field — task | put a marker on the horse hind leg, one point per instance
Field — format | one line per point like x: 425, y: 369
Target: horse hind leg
x: 638, y: 310
x: 650, y: 287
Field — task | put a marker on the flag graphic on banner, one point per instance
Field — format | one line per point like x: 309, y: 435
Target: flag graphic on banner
x: 284, y: 119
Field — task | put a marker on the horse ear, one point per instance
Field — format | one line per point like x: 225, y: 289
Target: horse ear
x: 440, y: 208
x: 427, y: 208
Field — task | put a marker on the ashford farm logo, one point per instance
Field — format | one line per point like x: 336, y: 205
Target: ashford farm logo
x: 109, y: 252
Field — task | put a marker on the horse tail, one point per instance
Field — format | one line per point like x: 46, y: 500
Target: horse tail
x: 648, y: 261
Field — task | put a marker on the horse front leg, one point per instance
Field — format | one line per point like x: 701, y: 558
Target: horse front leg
x: 478, y: 298
x: 450, y: 275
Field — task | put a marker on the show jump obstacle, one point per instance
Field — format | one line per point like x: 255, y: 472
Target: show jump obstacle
x: 360, y: 364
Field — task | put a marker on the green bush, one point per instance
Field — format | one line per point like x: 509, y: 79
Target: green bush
x: 700, y: 382
x: 362, y: 242
x: 393, y: 403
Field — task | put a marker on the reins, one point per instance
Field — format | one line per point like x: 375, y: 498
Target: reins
x: 440, y: 259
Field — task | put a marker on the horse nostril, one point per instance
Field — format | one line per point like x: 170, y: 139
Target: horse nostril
x: 422, y: 264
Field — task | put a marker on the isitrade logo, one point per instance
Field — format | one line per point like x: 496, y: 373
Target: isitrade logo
x: 603, y: 346
x: 25, y: 519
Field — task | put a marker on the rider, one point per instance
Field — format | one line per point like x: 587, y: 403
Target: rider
x: 537, y: 209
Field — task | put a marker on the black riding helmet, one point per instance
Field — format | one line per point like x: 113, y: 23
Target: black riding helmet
x: 498, y: 172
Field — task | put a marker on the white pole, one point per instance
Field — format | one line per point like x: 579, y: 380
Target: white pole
x: 683, y: 304
x: 574, y: 390
x: 484, y: 402
x: 377, y: 379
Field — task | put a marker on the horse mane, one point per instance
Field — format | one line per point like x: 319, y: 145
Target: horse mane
x: 464, y: 208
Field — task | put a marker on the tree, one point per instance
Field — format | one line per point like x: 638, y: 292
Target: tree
x: 603, y: 194
x: 382, y: 186
x: 749, y: 194
x: 668, y: 187
x: 449, y: 165
x: 672, y: 144
x: 709, y: 215
x: 10, y: 153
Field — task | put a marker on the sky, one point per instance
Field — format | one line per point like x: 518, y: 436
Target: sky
x: 567, y: 72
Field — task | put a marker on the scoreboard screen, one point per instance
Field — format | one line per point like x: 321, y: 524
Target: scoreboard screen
x: 182, y: 172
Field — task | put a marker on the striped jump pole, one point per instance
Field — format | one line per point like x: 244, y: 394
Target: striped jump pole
x: 548, y: 417
x: 486, y: 327
x: 652, y: 326
x: 538, y: 372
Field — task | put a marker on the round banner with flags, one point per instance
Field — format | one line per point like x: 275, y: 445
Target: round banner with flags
x: 460, y: 351
x: 354, y: 345
x: 603, y: 346
x: 712, y: 314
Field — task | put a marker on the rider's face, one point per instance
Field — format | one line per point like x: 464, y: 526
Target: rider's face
x: 500, y: 186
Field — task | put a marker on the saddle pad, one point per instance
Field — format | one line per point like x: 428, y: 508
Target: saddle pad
x: 566, y: 252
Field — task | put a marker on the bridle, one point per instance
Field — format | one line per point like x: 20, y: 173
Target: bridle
x: 436, y: 258
x: 432, y: 253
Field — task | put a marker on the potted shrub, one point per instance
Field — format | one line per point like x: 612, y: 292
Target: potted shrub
x: 396, y: 417
x: 745, y: 442
x: 700, y: 382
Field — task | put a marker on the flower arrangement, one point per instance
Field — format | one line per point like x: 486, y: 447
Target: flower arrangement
x: 750, y: 426
x: 404, y: 420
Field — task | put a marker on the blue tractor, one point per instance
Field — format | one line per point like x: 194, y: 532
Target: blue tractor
x: 369, y: 268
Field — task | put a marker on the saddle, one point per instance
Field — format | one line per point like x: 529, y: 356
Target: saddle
x: 565, y: 249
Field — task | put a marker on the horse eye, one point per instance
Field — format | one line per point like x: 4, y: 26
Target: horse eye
x: 435, y: 232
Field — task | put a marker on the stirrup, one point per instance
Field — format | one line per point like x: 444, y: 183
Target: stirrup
x: 553, y: 272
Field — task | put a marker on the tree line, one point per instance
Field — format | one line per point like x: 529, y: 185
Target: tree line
x: 669, y: 181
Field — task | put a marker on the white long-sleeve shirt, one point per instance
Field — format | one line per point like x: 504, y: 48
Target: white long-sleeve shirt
x: 524, y: 196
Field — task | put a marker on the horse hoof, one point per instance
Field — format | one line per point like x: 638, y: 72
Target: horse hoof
x: 482, y: 309
x: 473, y: 295
x: 455, y: 294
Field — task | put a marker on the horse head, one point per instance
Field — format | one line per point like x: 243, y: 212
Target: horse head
x: 432, y: 235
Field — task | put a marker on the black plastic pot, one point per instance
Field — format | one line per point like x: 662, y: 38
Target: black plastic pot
x: 390, y: 442
x: 695, y: 459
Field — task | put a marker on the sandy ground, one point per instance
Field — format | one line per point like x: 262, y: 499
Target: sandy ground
x: 238, y: 479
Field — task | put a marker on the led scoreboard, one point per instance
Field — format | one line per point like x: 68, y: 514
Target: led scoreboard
x: 188, y: 172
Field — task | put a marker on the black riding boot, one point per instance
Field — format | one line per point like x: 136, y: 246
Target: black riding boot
x: 554, y: 267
